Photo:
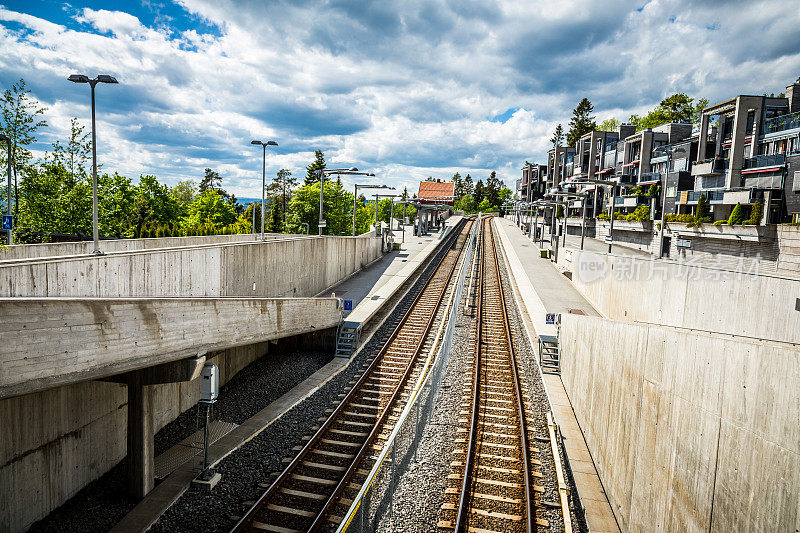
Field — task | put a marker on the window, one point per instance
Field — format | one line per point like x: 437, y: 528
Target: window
x: 672, y: 192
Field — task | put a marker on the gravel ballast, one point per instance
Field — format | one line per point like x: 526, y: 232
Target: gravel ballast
x: 420, y: 492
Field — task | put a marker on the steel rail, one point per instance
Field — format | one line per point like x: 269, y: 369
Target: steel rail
x: 244, y: 522
x: 318, y: 521
x: 462, y: 514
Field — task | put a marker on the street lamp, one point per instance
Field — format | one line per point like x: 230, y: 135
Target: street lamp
x: 101, y: 78
x: 321, y: 174
x: 263, y: 177
x: 669, y: 151
x: 9, y: 232
x: 355, y: 197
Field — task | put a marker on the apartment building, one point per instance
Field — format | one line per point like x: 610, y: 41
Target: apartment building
x: 755, y: 156
x: 533, y: 183
x: 559, y: 159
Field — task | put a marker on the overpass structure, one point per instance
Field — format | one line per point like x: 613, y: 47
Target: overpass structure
x: 97, y: 353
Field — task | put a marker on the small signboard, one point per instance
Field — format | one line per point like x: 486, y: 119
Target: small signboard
x: 323, y: 223
x: 348, y: 305
x: 683, y: 243
x: 550, y: 318
x: 8, y: 222
x: 609, y: 239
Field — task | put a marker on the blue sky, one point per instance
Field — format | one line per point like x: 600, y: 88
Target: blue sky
x: 404, y: 89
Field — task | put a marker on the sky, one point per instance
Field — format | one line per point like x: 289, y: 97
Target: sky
x: 404, y: 89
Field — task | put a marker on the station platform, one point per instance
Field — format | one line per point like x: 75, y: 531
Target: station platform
x: 368, y: 290
x: 540, y: 289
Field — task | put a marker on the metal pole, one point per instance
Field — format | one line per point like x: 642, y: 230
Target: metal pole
x: 263, y: 186
x: 254, y: 218
x: 205, y: 442
x: 664, y: 206
x: 95, y: 229
x: 403, y: 225
x: 321, y: 193
x: 391, y: 218
x: 376, y: 214
x: 564, y: 225
x: 583, y: 222
x: 611, y: 228
x: 9, y: 233
x: 355, y: 197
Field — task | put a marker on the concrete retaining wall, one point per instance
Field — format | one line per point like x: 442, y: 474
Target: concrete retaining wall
x: 286, y: 267
x: 789, y: 243
x: 659, y: 292
x: 56, y: 441
x: 48, y: 342
x: 689, y: 431
x: 59, y: 249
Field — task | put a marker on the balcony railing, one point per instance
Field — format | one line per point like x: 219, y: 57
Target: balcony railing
x: 709, y: 166
x: 782, y: 123
x: 650, y: 176
x: 711, y: 196
x: 764, y: 161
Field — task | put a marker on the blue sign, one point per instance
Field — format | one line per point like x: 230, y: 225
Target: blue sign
x: 550, y: 318
x: 8, y: 222
x: 348, y: 305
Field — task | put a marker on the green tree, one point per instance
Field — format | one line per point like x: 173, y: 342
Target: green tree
x: 286, y: 184
x: 479, y: 192
x: 153, y: 203
x: 485, y: 206
x: 737, y: 216
x: 337, y: 208
x: 701, y: 211
x: 21, y: 119
x: 582, y: 121
x: 558, y: 136
x: 184, y: 193
x: 469, y: 188
x: 275, y: 221
x: 212, y: 210
x: 466, y: 203
x: 492, y: 189
x: 116, y: 200
x: 211, y: 180
x: 318, y: 164
x: 756, y: 213
x: 458, y: 186
x: 610, y: 124
x: 675, y: 108
x: 74, y: 155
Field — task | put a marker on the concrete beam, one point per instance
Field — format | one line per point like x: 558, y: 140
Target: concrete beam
x: 173, y: 372
x: 49, y: 342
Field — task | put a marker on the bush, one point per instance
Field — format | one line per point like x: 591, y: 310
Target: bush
x: 737, y: 217
x: 720, y: 223
x: 684, y: 218
x: 560, y: 212
x: 640, y: 214
x: 756, y: 213
x: 603, y: 216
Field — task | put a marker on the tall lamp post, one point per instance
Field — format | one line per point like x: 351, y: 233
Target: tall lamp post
x: 355, y: 197
x: 10, y: 232
x: 669, y: 151
x: 322, y: 174
x: 263, y: 178
x: 101, y: 78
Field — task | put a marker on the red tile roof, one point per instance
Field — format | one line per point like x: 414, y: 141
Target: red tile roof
x: 433, y: 190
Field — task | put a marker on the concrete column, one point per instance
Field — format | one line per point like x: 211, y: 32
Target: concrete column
x: 701, y: 147
x: 140, y: 437
x: 593, y: 138
x: 737, y: 142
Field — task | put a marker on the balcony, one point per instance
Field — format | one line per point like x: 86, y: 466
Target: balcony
x: 712, y: 197
x: 761, y: 161
x: 782, y: 123
x: 709, y: 166
x: 650, y: 177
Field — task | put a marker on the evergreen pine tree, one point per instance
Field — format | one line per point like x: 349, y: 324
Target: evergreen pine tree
x: 581, y: 122
x: 468, y: 187
x: 756, y: 213
x: 479, y: 192
x: 737, y: 217
x: 318, y: 164
x: 558, y: 136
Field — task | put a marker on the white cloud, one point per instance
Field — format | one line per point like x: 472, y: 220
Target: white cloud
x: 407, y: 90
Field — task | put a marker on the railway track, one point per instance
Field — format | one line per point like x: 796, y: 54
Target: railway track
x: 492, y: 485
x: 317, y: 486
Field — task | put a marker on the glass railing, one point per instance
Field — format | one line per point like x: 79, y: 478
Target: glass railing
x: 764, y: 161
x: 711, y: 196
x: 782, y: 123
